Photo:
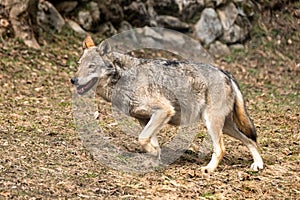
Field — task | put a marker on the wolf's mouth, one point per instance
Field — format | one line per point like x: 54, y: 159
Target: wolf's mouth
x: 81, y: 89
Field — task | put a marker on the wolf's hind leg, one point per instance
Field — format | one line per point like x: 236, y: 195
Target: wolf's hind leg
x: 214, y: 125
x: 231, y: 129
x: 148, y: 138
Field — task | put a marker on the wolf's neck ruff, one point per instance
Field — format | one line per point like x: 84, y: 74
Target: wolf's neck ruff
x: 121, y: 64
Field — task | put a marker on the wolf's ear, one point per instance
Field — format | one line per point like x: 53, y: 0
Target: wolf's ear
x: 104, y: 48
x: 88, y: 42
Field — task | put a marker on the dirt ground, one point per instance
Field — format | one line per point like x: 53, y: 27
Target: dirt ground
x: 42, y: 156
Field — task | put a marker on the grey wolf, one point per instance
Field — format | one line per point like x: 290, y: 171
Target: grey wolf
x: 217, y: 98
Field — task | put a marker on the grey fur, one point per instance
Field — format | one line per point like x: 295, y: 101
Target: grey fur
x: 157, y: 92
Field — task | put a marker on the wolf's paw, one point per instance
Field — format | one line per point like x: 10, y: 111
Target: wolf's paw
x: 144, y: 142
x: 256, y: 166
x: 207, y: 169
x: 153, y: 150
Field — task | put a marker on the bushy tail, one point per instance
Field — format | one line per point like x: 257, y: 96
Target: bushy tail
x: 240, y: 115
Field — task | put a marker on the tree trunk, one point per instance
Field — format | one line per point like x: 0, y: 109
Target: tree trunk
x: 19, y: 14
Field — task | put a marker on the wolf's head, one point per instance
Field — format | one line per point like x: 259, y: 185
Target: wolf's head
x: 92, y: 66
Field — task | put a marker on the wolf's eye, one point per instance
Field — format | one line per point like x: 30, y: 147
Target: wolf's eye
x: 110, y: 66
x: 91, y: 66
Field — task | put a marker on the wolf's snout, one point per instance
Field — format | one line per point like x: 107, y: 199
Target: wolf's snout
x: 74, y: 81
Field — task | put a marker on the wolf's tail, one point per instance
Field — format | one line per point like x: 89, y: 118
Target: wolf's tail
x: 240, y: 115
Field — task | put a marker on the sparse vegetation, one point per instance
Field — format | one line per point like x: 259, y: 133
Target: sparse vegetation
x: 42, y: 155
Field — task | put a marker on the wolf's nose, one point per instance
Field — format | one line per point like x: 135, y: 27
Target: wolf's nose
x: 74, y: 81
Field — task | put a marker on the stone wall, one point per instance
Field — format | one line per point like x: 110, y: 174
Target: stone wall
x: 217, y: 24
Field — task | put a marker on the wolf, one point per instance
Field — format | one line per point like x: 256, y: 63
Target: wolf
x: 145, y: 90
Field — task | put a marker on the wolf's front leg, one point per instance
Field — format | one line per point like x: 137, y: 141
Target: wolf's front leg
x: 147, y: 138
x: 152, y: 147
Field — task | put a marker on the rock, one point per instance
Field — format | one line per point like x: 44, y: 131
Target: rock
x: 22, y: 29
x: 214, y: 3
x: 165, y: 7
x: 237, y: 32
x: 246, y: 8
x: 165, y: 39
x: 185, y: 46
x: 88, y: 18
x: 111, y: 11
x: 152, y: 16
x: 150, y: 32
x: 234, y: 34
x: 174, y: 38
x: 10, y: 3
x: 125, y: 26
x: 66, y: 6
x: 182, y: 9
x: 219, y: 2
x: 189, y: 9
x: 236, y: 47
x: 227, y: 15
x: 85, y: 19
x: 243, y: 22
x: 218, y: 49
x: 209, y: 27
x: 75, y: 27
x: 180, y: 5
x: 172, y: 23
x: 48, y: 17
x: 138, y: 14
x: 107, y: 29
x: 95, y: 12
